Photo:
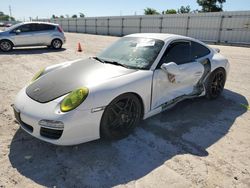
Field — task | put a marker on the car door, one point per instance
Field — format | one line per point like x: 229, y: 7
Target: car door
x: 44, y: 32
x: 170, y: 85
x: 24, y: 35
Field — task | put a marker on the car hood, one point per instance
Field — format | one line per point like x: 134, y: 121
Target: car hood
x: 68, y: 77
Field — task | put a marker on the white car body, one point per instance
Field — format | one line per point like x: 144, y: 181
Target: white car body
x: 153, y: 86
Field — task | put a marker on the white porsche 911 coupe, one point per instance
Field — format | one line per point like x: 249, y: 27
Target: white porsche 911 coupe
x: 138, y: 76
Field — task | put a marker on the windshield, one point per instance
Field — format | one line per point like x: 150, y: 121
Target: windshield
x: 133, y: 52
x: 12, y: 27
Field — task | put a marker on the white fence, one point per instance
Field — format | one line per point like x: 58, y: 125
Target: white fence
x: 219, y: 27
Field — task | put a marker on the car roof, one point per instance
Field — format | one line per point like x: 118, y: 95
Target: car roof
x: 37, y: 23
x: 160, y: 36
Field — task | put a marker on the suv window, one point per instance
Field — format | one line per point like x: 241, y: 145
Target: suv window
x: 199, y: 50
x: 45, y: 27
x: 178, y: 52
x: 26, y: 28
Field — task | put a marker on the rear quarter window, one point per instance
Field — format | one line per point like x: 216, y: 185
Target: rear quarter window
x: 45, y: 27
x: 198, y: 50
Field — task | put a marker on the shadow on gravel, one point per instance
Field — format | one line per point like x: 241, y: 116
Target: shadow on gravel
x: 33, y: 50
x: 188, y: 128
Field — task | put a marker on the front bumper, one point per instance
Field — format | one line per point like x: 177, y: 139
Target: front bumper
x: 79, y: 125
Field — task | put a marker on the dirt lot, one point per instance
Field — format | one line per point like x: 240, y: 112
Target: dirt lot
x: 198, y: 143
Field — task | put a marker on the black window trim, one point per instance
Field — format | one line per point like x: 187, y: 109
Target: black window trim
x: 169, y: 45
x: 204, y: 47
x: 183, y: 40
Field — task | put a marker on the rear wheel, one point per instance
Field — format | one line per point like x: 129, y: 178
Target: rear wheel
x: 215, y: 84
x: 121, y: 117
x: 56, y: 44
x: 6, y: 45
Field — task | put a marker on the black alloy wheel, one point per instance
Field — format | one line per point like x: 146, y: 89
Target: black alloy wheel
x: 121, y: 117
x: 215, y: 84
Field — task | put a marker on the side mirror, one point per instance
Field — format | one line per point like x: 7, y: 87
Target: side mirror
x: 171, y: 68
x: 18, y: 31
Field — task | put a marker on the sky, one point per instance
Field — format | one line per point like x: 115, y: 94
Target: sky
x: 23, y: 9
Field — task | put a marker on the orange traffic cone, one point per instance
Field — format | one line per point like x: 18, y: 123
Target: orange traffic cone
x: 79, y: 48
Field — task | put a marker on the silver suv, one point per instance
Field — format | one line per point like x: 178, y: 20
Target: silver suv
x: 32, y: 34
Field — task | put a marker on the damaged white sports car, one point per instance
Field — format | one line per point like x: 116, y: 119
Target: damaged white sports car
x: 138, y: 76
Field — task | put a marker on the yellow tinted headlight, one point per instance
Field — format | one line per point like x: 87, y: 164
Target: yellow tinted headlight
x: 37, y: 75
x: 74, y: 99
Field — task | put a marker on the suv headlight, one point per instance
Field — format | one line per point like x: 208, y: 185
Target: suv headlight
x: 74, y: 99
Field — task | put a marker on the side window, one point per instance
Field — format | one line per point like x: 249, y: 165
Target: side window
x: 178, y: 52
x: 25, y: 28
x: 45, y: 27
x: 199, y: 50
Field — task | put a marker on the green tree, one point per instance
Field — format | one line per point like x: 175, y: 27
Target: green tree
x: 81, y: 15
x: 169, y: 11
x: 61, y: 16
x: 74, y: 16
x: 211, y: 5
x: 5, y: 17
x: 183, y: 9
x: 150, y: 11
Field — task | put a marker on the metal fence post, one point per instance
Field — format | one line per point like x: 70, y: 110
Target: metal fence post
x: 220, y: 28
x: 161, y: 23
x: 140, y: 24
x: 108, y: 27
x: 122, y: 32
x: 68, y: 25
x: 76, y: 24
x: 188, y: 22
x: 96, y: 26
x: 85, y: 25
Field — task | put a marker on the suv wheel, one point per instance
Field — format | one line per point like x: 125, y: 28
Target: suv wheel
x: 6, y: 45
x: 56, y: 44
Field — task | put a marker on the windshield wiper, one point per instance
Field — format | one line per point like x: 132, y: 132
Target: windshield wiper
x: 116, y: 63
x: 110, y: 62
x: 99, y: 59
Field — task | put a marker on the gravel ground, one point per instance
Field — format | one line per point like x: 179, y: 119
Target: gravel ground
x: 198, y: 143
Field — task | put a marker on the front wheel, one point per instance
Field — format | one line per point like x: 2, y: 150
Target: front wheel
x: 6, y: 45
x: 215, y: 84
x: 56, y: 44
x: 121, y: 117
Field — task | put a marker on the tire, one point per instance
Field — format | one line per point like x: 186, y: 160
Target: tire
x: 56, y: 44
x: 215, y: 84
x: 121, y: 117
x: 6, y: 45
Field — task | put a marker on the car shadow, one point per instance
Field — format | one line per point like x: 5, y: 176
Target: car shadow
x: 189, y: 128
x: 32, y: 50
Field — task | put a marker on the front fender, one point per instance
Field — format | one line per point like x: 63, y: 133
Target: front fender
x: 138, y: 82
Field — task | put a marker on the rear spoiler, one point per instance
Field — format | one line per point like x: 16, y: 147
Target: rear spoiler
x: 217, y: 50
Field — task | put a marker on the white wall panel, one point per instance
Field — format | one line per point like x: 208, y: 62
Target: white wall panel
x: 225, y: 27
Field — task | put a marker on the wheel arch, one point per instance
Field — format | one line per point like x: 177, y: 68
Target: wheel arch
x: 101, y: 130
x: 215, y: 69
x: 135, y: 94
x: 220, y: 68
x: 8, y: 40
x: 56, y: 38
